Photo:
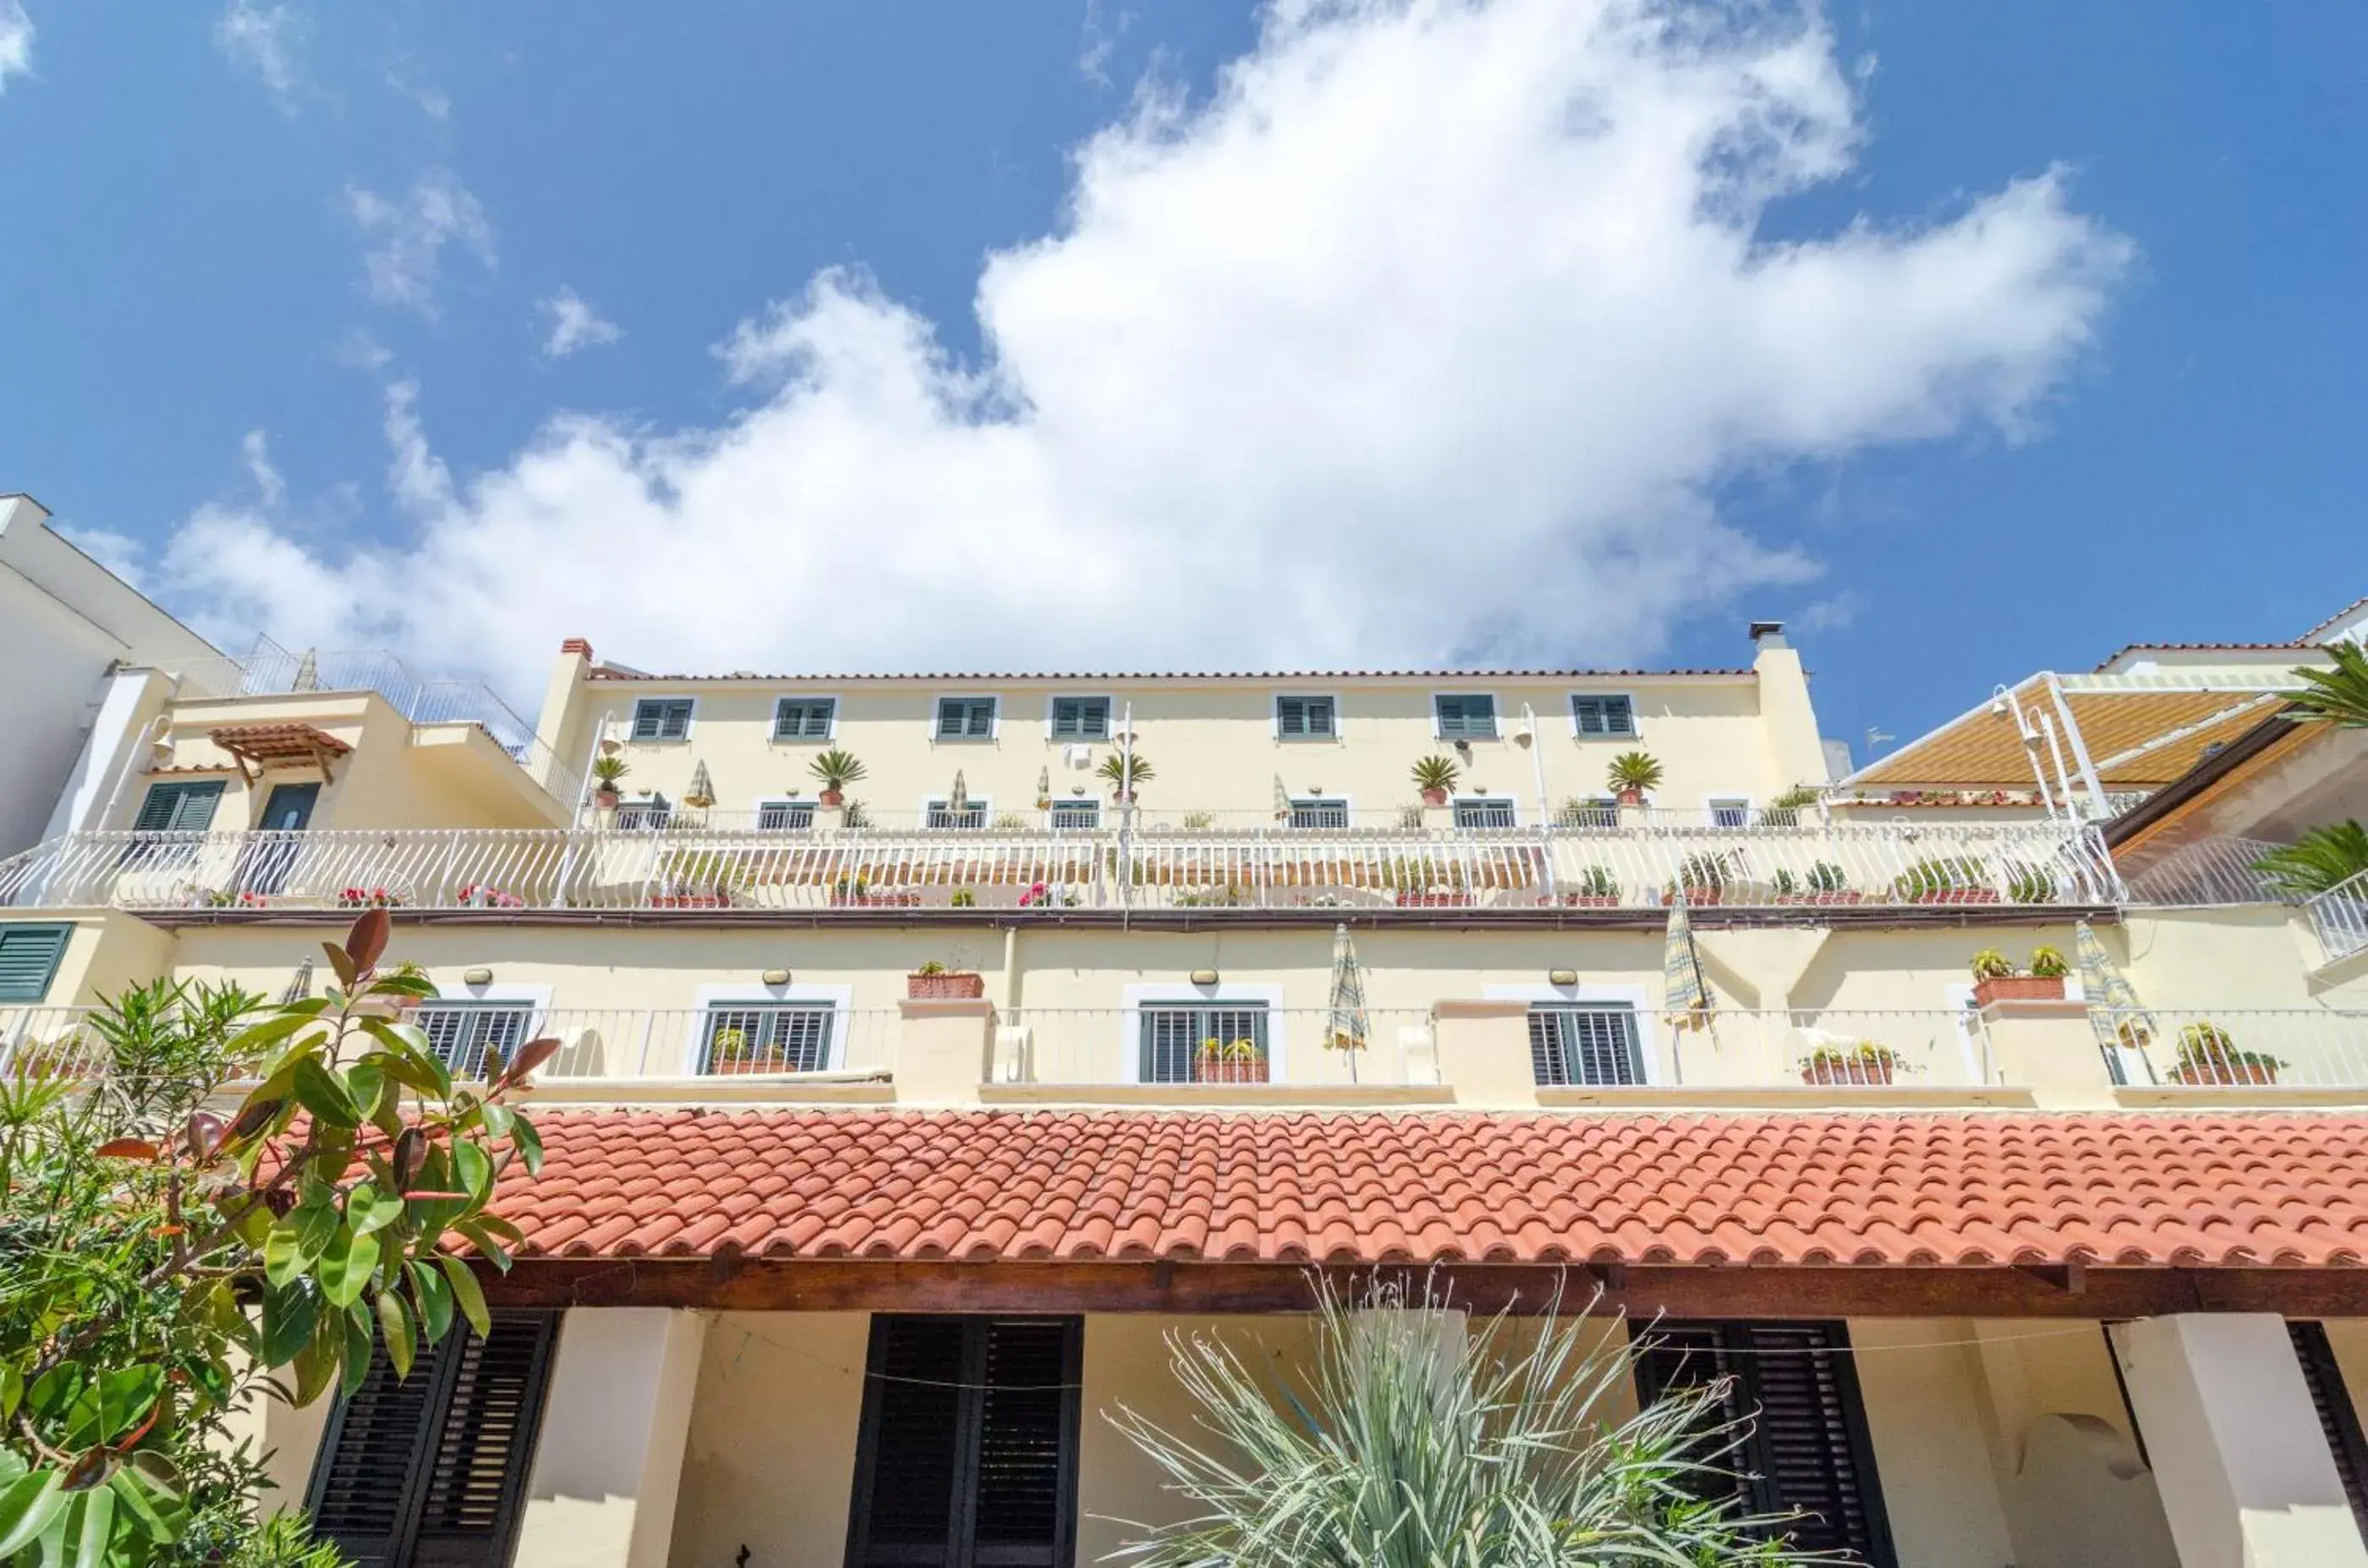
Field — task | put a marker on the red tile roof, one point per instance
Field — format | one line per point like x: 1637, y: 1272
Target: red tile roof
x: 959, y: 678
x: 2176, y: 1190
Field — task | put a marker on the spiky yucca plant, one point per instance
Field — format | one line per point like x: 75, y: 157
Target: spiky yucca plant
x: 2339, y: 695
x: 1405, y: 1443
x: 2319, y: 860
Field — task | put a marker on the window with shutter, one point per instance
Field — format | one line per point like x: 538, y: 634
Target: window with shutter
x: 969, y: 718
x: 785, y: 816
x: 2336, y: 1416
x: 1075, y: 816
x: 1319, y: 813
x: 29, y: 956
x: 1175, y: 1039
x: 968, y: 1448
x: 1603, y: 715
x: 1304, y: 717
x: 1808, y: 1452
x: 662, y: 718
x: 1081, y: 718
x: 1585, y: 1045
x: 969, y: 816
x: 1730, y: 813
x: 1482, y: 812
x: 803, y: 718
x: 460, y: 1034
x: 430, y: 1471
x: 184, y: 806
x: 788, y: 1038
x: 1465, y: 718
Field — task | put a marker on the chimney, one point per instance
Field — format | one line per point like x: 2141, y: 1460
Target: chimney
x: 577, y: 645
x: 1768, y: 635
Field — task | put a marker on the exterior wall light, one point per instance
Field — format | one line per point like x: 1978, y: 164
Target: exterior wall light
x: 775, y: 977
x: 1562, y: 977
x: 1204, y: 977
x: 480, y: 975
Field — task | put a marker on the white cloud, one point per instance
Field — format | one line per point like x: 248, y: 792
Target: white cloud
x: 119, y: 553
x: 1429, y: 337
x: 256, y: 449
x: 573, y: 325
x: 268, y: 42
x: 15, y: 42
x: 433, y: 102
x: 408, y: 235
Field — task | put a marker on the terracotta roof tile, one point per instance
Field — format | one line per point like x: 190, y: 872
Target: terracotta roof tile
x: 1861, y: 1189
x: 1030, y: 678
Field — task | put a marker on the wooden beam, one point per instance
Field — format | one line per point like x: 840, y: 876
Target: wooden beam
x: 763, y: 1285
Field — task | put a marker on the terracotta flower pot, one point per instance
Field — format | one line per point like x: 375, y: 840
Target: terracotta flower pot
x: 736, y: 1067
x: 953, y: 986
x: 1630, y: 797
x: 1434, y: 900
x: 2218, y: 1071
x: 1854, y: 1072
x: 832, y: 799
x: 2018, y: 988
x: 1589, y: 900
x: 1955, y: 895
x: 1229, y: 1070
x: 1434, y: 797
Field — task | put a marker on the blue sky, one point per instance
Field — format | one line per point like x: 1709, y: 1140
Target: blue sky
x: 1971, y: 339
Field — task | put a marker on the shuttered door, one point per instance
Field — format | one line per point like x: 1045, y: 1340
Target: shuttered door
x: 428, y: 1470
x: 2337, y: 1416
x: 1808, y: 1453
x: 969, y: 1444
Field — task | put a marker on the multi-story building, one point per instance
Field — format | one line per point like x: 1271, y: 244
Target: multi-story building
x: 67, y: 624
x: 840, y: 1257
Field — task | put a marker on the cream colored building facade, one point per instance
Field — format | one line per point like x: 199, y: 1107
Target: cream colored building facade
x: 720, y: 939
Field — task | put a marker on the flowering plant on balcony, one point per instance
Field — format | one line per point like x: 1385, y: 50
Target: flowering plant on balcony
x: 1862, y: 1062
x: 375, y: 897
x: 1237, y: 1061
x: 484, y: 895
x: 2208, y: 1054
x: 245, y: 898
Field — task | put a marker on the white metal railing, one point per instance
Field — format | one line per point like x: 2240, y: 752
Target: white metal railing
x: 2339, y: 915
x: 276, y: 672
x: 1188, y: 1044
x: 2317, y: 1047
x: 2217, y: 869
x: 1746, y: 1048
x: 690, y: 867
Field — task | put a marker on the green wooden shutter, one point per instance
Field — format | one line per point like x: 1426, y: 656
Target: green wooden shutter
x: 29, y: 956
x: 968, y: 1451
x: 185, y: 806
x: 2337, y: 1417
x: 1808, y: 1451
x: 430, y: 1470
x: 1467, y: 716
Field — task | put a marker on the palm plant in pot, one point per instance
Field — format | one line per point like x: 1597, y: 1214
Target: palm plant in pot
x: 1435, y: 776
x: 836, y: 770
x: 608, y: 773
x: 1632, y: 773
x: 1125, y: 772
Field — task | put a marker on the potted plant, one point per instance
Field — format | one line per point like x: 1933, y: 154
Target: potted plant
x: 963, y: 898
x: 933, y: 981
x: 2029, y: 884
x: 1701, y: 878
x: 608, y: 772
x: 730, y: 1051
x: 2208, y: 1054
x: 1435, y: 776
x: 1597, y: 889
x: 1784, y: 811
x: 1949, y: 879
x: 1125, y: 774
x: 1997, y: 980
x: 1862, y: 1063
x: 1632, y: 773
x: 1823, y: 884
x: 411, y: 974
x: 836, y: 770
x: 1237, y: 1061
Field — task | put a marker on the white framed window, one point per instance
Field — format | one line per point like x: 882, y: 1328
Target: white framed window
x: 1305, y: 716
x: 1728, y: 811
x: 643, y: 813
x: 1463, y: 716
x: 971, y: 814
x: 1602, y: 716
x: 1160, y: 1023
x: 1079, y: 718
x: 968, y: 718
x: 768, y: 1029
x: 1485, y: 811
x: 1586, y: 1035
x: 805, y: 718
x: 784, y: 815
x: 468, y: 1024
x: 1074, y: 816
x: 664, y: 718
x: 1319, y: 812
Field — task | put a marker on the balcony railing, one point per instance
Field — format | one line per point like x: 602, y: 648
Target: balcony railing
x: 1825, y: 868
x: 2340, y: 917
x: 276, y: 672
x: 2308, y: 1048
x: 2218, y: 870
x: 1190, y: 1045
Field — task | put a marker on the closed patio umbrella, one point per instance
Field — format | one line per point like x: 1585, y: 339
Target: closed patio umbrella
x: 1685, y: 993
x: 702, y: 792
x: 2115, y: 1012
x: 1347, y: 1029
x: 1281, y: 799
x: 960, y: 800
